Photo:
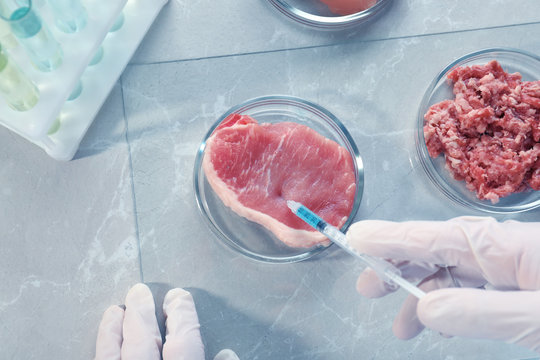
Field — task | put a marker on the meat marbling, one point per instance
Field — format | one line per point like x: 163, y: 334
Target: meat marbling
x: 255, y: 168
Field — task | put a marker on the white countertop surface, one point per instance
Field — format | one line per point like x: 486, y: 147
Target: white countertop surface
x: 75, y: 236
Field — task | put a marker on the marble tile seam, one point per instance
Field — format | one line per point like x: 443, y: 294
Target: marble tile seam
x: 132, y: 182
x: 249, y: 53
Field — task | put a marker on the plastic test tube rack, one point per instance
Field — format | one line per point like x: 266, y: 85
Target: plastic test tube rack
x: 79, y: 48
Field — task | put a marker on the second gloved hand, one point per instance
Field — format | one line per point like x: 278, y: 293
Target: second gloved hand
x: 133, y: 332
x: 480, y: 251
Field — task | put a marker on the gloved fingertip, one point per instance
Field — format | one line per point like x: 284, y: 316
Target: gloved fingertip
x: 115, y: 309
x: 113, y: 314
x: 139, y: 297
x: 406, y: 324
x: 432, y: 307
x: 369, y: 285
x: 183, y: 337
x: 175, y: 295
x: 361, y: 232
x: 355, y: 234
x: 406, y: 333
x: 139, y: 290
x: 226, y: 354
x: 109, y: 338
x: 142, y: 339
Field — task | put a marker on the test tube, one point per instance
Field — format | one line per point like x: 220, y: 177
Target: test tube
x: 6, y: 37
x: 26, y: 24
x: 19, y: 92
x: 70, y: 15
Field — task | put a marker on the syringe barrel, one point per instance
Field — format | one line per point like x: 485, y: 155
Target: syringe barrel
x: 386, y: 271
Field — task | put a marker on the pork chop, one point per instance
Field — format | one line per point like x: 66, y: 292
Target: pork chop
x: 255, y: 168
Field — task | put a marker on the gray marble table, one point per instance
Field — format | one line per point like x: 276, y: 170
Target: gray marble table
x: 75, y: 236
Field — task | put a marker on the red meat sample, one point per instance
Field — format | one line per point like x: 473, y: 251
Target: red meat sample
x: 490, y: 132
x: 255, y: 168
x: 347, y: 7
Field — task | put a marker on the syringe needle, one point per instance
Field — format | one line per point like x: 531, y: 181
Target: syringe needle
x: 386, y: 271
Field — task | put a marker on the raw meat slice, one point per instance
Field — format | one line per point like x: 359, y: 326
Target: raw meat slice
x: 255, y: 168
x: 490, y: 132
x: 347, y: 7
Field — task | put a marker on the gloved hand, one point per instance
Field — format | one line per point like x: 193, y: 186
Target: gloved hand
x: 133, y: 332
x: 479, y: 251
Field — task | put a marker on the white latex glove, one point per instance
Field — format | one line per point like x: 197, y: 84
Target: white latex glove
x: 480, y: 251
x: 133, y: 333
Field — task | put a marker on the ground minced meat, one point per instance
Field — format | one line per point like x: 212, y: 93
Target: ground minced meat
x: 490, y: 132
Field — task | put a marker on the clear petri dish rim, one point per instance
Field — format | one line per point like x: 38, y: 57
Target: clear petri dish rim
x: 328, y: 22
x: 448, y: 188
x: 284, y: 100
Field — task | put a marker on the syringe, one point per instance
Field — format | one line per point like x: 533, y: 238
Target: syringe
x: 386, y: 271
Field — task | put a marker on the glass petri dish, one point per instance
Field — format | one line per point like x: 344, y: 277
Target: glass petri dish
x: 316, y: 14
x: 247, y: 237
x: 512, y: 60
